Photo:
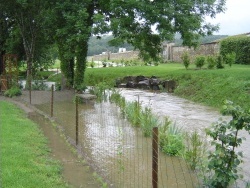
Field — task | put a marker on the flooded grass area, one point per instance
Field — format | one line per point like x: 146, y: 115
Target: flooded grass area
x: 117, y: 151
x: 75, y: 171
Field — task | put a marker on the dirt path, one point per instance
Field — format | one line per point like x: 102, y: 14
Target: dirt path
x: 75, y: 171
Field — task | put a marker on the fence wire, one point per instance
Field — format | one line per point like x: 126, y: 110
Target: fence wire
x: 117, y: 151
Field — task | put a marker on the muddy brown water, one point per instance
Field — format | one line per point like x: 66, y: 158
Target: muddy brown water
x: 190, y: 116
x: 118, y: 152
x: 75, y: 171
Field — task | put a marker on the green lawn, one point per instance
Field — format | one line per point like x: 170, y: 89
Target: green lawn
x: 25, y: 157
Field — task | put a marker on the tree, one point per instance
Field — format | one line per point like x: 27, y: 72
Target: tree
x: 27, y: 20
x: 71, y: 23
x: 5, y: 25
x: 129, y: 21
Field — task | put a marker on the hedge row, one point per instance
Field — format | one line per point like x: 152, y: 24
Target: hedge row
x: 238, y: 44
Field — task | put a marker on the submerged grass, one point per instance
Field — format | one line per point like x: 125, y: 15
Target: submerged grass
x: 25, y: 160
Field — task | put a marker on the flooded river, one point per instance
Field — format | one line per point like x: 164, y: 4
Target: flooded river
x: 120, y: 153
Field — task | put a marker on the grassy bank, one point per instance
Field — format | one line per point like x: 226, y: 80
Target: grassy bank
x: 24, y: 157
x: 209, y: 87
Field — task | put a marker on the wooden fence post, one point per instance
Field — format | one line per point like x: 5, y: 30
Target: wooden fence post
x: 76, y: 100
x: 52, y: 101
x: 155, y: 158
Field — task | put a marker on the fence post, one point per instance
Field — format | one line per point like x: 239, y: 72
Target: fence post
x: 76, y: 100
x: 30, y: 85
x: 52, y: 101
x: 155, y: 158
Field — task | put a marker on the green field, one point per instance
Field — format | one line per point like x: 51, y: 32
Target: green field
x: 209, y: 87
x: 24, y: 155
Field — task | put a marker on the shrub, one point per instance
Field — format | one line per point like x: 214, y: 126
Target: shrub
x: 219, y: 62
x: 240, y: 45
x: 171, y: 139
x: 13, y: 91
x: 211, y: 62
x: 225, y: 160
x: 195, y: 149
x: 230, y: 58
x: 200, y: 61
x: 92, y: 64
x: 186, y: 59
x: 39, y: 85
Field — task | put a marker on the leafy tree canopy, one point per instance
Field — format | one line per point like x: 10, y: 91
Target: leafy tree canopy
x: 141, y: 23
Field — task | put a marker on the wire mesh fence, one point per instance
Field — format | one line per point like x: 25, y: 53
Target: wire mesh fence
x: 119, y: 153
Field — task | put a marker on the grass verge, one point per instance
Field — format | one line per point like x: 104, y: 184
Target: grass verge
x: 209, y: 87
x: 25, y: 157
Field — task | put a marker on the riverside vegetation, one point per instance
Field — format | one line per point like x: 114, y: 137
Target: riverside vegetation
x: 208, y: 86
x: 217, y: 168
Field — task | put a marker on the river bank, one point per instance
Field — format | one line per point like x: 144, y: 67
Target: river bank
x: 73, y: 170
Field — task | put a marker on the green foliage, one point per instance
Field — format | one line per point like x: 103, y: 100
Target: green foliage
x: 13, y: 91
x: 230, y: 58
x: 219, y: 62
x: 200, y: 61
x: 100, y: 90
x: 92, y: 64
x: 209, y: 87
x: 133, y: 111
x: 102, y: 44
x: 186, y: 59
x: 80, y: 88
x: 78, y: 99
x: 225, y: 160
x: 211, y: 62
x: 148, y: 121
x: 39, y: 85
x: 58, y: 86
x: 195, y: 150
x: 240, y: 45
x: 171, y: 139
x: 119, y: 100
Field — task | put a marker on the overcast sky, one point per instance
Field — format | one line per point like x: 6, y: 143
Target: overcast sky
x: 235, y: 20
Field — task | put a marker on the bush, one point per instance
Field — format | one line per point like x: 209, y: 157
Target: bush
x: 186, y: 59
x: 230, y: 58
x: 200, y: 61
x: 225, y: 159
x: 240, y: 45
x: 211, y: 62
x: 171, y: 139
x: 219, y: 62
x: 39, y: 85
x: 13, y: 91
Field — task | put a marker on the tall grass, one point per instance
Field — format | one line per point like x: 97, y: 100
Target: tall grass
x: 171, y: 139
x: 148, y: 121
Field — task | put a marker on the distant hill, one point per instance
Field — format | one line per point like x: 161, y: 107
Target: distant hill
x: 97, y: 46
x: 203, y: 40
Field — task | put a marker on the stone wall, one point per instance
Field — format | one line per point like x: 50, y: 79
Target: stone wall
x: 170, y: 53
x: 128, y: 55
x: 174, y: 53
